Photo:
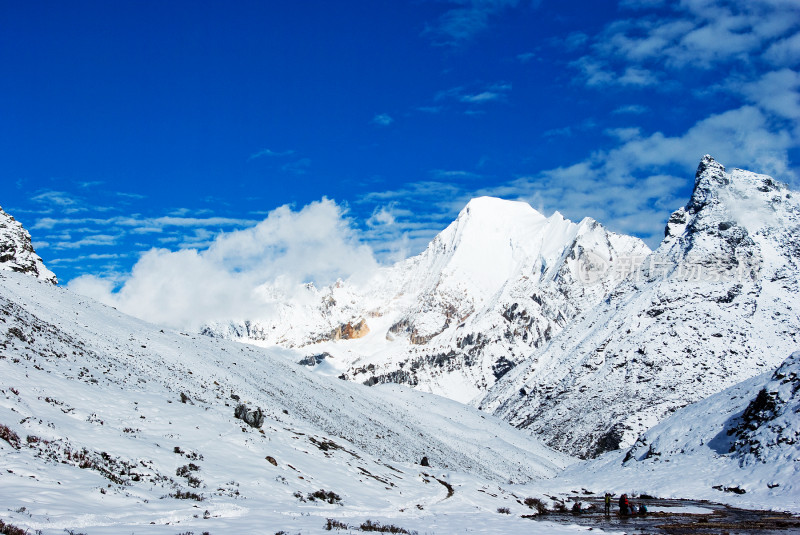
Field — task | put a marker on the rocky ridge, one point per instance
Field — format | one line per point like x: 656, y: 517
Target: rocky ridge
x: 714, y: 305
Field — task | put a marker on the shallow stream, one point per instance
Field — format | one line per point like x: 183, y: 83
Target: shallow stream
x: 678, y: 517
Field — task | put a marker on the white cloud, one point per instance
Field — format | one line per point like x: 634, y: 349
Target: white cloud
x: 189, y: 287
x: 419, y: 211
x: 462, y: 23
x: 483, y: 96
x: 694, y: 34
x: 490, y: 93
x: 270, y: 153
x: 93, y: 240
x: 598, y: 73
x: 525, y: 57
x: 741, y: 137
x: 441, y: 174
x: 430, y: 109
x: 89, y: 257
x: 633, y: 109
x: 130, y: 196
x: 140, y: 222
x: 575, y: 40
x: 298, y: 167
x: 382, y: 215
x: 784, y: 53
x: 775, y: 92
x: 60, y: 200
x: 382, y: 119
x: 633, y: 187
x: 623, y: 134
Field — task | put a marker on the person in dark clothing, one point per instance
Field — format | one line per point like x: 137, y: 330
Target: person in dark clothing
x: 608, y: 504
x: 624, y: 506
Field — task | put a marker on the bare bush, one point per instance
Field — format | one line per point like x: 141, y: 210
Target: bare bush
x: 9, y: 436
x: 536, y: 504
x: 9, y: 529
x: 369, y: 525
x: 331, y: 524
x: 325, y: 496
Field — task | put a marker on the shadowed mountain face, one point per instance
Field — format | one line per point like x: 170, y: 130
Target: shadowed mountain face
x: 713, y: 305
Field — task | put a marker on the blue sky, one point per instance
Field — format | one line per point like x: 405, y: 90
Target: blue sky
x: 140, y: 131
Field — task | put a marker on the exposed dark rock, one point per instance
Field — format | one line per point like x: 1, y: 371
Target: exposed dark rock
x: 313, y: 360
x: 501, y: 367
x: 253, y: 418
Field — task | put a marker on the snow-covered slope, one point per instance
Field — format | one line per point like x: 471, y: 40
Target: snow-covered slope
x: 500, y: 280
x: 715, y: 304
x: 16, y: 250
x: 109, y: 423
x: 741, y: 446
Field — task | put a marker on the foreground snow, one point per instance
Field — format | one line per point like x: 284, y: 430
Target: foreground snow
x: 108, y: 421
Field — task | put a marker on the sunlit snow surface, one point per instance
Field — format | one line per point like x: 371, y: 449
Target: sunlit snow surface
x: 77, y: 375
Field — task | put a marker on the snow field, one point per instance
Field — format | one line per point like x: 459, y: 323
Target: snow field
x: 150, y: 413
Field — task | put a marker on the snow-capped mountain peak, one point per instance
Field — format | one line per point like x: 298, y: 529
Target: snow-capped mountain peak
x: 485, y: 243
x: 499, y: 280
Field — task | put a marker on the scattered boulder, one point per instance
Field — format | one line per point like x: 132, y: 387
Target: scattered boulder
x: 253, y: 418
x: 313, y: 360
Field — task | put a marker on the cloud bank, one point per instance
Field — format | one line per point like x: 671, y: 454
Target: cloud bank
x: 236, y: 275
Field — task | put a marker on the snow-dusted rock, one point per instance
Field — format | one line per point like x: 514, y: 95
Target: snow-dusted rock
x: 16, y: 250
x: 715, y: 304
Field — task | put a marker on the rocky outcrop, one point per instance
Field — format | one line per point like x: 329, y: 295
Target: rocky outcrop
x: 350, y: 331
x: 769, y: 424
x: 16, y: 250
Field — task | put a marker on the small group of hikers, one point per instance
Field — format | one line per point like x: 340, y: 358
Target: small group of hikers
x: 626, y: 508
